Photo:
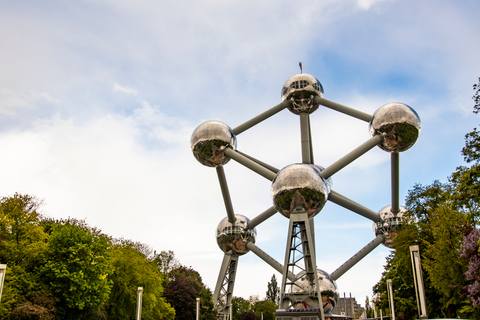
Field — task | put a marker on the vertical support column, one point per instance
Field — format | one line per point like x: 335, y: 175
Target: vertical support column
x: 418, y: 280
x: 395, y: 164
x: 305, y: 138
x: 222, y: 296
x: 300, y: 256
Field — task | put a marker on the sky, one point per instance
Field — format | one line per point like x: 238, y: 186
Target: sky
x: 98, y: 100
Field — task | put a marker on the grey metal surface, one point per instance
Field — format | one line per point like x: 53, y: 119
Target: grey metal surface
x: 223, y: 294
x: 399, y: 123
x: 299, y: 187
x: 395, y: 178
x: 269, y: 260
x: 263, y: 116
x: 350, y: 157
x: 389, y: 224
x: 345, y: 202
x: 340, y: 271
x: 208, y: 142
x: 305, y: 138
x: 233, y: 236
x: 261, y: 217
x: 263, y: 164
x: 302, y: 89
x: 225, y: 193
x: 252, y: 165
x: 344, y: 109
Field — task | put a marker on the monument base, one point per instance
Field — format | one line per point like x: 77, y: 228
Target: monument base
x: 305, y: 314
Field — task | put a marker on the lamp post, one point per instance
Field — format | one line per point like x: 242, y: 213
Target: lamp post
x: 198, y: 309
x: 3, y: 269
x: 390, y: 298
x: 139, y: 302
x: 418, y: 280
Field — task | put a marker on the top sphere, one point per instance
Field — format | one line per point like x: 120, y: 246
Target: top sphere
x: 208, y: 142
x: 302, y: 89
x: 300, y: 187
x: 399, y: 123
x: 328, y: 288
x: 389, y: 224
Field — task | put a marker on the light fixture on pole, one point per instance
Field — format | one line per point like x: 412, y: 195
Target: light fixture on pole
x: 139, y: 302
x: 418, y: 280
x: 390, y: 298
x: 198, y: 309
x: 3, y: 269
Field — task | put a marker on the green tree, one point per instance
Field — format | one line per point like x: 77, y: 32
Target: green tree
x: 239, y: 307
x: 182, y: 290
x: 273, y: 290
x: 22, y: 246
x: 77, y: 263
x: 265, y: 307
x: 132, y: 268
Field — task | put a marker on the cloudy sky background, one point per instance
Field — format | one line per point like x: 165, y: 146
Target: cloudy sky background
x: 98, y: 100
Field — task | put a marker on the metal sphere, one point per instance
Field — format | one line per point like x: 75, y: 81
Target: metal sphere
x: 389, y: 224
x: 208, y: 142
x: 302, y: 89
x: 328, y: 289
x: 234, y: 236
x: 399, y: 123
x: 299, y: 187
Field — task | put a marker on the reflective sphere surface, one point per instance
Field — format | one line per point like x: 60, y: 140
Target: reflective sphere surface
x: 389, y: 224
x: 328, y: 288
x: 399, y: 123
x: 299, y: 187
x: 208, y: 142
x: 234, y: 237
x: 301, y: 89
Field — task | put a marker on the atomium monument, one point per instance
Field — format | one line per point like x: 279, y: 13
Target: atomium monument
x: 299, y: 192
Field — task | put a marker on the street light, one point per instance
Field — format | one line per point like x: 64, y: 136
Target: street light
x: 139, y: 302
x: 418, y: 280
x: 3, y: 269
x: 390, y: 297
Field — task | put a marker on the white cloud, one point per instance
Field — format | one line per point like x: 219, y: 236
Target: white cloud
x: 126, y: 90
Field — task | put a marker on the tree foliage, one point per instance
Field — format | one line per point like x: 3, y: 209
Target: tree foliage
x: 442, y: 217
x: 273, y: 290
x: 76, y: 268
x: 68, y: 270
x: 182, y: 290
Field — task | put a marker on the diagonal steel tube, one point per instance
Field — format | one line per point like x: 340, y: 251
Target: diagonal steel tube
x: 265, y: 115
x: 343, y: 201
x: 226, y: 194
x: 252, y: 165
x: 395, y: 163
x: 263, y: 164
x: 357, y: 257
x: 272, y: 262
x: 352, y: 156
x: 261, y: 217
x: 344, y: 109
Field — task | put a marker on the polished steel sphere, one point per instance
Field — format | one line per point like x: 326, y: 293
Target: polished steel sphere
x: 234, y: 236
x: 328, y: 289
x: 299, y: 187
x: 302, y: 89
x: 209, y: 141
x: 389, y: 224
x: 400, y: 125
